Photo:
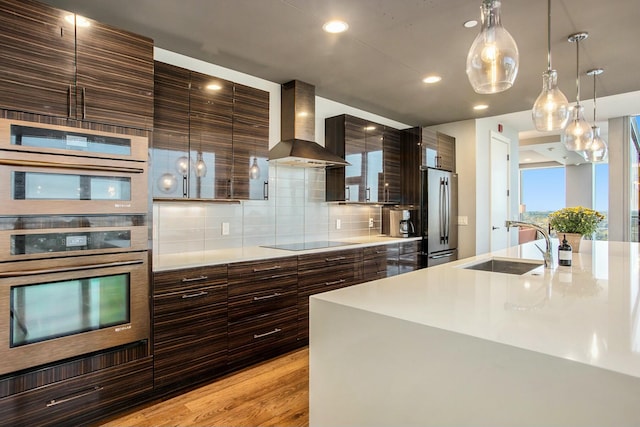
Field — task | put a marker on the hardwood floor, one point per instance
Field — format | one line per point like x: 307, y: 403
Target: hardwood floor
x: 273, y: 393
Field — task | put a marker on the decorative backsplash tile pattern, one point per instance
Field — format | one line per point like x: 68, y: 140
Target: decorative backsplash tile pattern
x: 295, y: 212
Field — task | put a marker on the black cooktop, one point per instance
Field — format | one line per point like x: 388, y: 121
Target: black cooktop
x: 308, y: 245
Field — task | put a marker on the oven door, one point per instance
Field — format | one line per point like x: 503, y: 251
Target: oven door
x: 16, y: 135
x: 39, y: 184
x: 38, y: 237
x: 52, y: 310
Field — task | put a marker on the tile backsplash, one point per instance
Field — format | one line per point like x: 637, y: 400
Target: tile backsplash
x: 295, y: 212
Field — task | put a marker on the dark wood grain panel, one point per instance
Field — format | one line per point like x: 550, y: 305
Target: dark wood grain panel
x: 447, y: 151
x: 410, y: 172
x: 171, y: 101
x: 262, y: 337
x: 390, y: 190
x: 114, y: 75
x: 374, y: 262
x: 37, y: 47
x: 80, y: 399
x: 187, y: 279
x: 210, y: 95
x: 241, y: 273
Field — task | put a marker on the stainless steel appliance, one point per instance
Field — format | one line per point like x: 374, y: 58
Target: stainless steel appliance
x: 74, y: 273
x: 400, y: 223
x: 439, y: 212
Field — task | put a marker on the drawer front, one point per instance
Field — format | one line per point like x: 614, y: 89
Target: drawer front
x: 262, y: 297
x: 263, y: 333
x: 371, y: 252
x: 257, y: 271
x: 329, y: 278
x: 409, y: 247
x: 80, y: 399
x: 187, y: 279
x: 183, y: 301
x: 374, y: 269
x: 328, y: 259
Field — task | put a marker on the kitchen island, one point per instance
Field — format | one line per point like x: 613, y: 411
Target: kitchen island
x: 453, y: 346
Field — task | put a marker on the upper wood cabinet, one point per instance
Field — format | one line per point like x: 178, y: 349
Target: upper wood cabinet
x: 373, y: 150
x: 56, y: 64
x: 438, y: 150
x: 207, y: 133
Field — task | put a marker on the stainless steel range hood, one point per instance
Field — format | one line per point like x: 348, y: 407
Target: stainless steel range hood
x: 298, y: 116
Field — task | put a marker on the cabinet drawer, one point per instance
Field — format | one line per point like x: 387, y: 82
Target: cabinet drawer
x: 183, y: 301
x: 328, y: 259
x: 187, y: 279
x: 262, y: 333
x: 80, y: 399
x: 257, y: 271
x: 409, y: 247
x: 372, y: 252
x: 264, y: 299
x: 325, y: 279
x: 374, y: 269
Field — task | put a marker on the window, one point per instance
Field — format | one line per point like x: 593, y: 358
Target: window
x: 601, y: 198
x: 542, y: 191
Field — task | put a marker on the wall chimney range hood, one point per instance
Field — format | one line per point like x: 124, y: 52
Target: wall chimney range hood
x: 298, y: 117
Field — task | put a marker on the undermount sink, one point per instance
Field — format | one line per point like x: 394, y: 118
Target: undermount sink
x: 508, y: 266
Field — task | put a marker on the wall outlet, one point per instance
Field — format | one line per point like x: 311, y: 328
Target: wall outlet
x: 225, y: 228
x: 463, y: 220
x: 370, y: 222
x: 338, y: 224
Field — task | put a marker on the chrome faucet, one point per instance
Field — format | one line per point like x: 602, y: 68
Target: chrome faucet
x: 546, y: 255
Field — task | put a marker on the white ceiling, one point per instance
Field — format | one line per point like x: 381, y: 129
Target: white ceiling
x: 379, y: 64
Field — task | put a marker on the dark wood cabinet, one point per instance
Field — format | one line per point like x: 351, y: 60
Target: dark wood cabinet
x: 250, y: 143
x: 324, y: 272
x: 438, y: 150
x: 56, y: 64
x: 208, y: 132
x: 408, y: 256
x: 262, y: 309
x: 375, y: 263
x: 190, y: 325
x: 373, y: 150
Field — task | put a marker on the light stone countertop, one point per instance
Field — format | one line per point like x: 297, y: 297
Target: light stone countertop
x: 587, y: 313
x: 255, y: 253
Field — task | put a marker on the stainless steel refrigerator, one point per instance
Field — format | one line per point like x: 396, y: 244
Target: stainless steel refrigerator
x: 439, y: 214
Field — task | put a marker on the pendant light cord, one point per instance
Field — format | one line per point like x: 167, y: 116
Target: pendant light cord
x: 578, y: 71
x: 549, y: 35
x: 594, y: 99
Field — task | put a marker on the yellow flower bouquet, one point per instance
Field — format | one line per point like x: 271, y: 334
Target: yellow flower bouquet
x: 576, y: 219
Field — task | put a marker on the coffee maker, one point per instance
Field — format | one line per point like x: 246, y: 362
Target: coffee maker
x: 400, y: 223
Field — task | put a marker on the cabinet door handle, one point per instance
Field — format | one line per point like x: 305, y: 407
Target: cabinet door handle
x: 54, y: 402
x: 266, y: 334
x: 84, y: 103
x: 273, y: 295
x: 198, y: 294
x: 70, y: 89
x: 194, y: 279
x: 347, y: 194
x: 335, y: 282
x: 260, y: 270
x: 368, y: 194
x: 339, y: 258
x: 265, y: 190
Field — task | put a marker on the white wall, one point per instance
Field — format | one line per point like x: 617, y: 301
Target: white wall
x: 579, y: 185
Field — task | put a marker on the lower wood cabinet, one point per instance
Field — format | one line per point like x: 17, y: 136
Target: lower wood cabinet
x: 262, y: 309
x: 408, y: 256
x: 378, y: 262
x: 190, y: 325
x: 81, y: 399
x: 324, y: 272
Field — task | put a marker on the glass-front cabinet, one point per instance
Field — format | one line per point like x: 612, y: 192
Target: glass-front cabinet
x: 208, y: 134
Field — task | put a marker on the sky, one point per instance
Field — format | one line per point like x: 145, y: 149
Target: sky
x: 544, y: 189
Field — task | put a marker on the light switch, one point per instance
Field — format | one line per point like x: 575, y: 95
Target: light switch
x: 370, y: 222
x: 225, y: 228
x: 338, y: 224
x: 463, y: 220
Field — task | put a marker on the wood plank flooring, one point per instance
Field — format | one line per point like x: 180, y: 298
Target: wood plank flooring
x: 273, y: 393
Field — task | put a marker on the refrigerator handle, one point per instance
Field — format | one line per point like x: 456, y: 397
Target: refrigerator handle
x: 441, y: 210
x: 447, y: 211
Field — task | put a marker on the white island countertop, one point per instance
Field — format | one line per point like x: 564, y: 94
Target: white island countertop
x: 587, y: 314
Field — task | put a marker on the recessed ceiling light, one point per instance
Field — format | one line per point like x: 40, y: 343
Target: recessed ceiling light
x: 432, y: 79
x: 335, y: 26
x: 527, y: 159
x: 214, y: 86
x: 470, y: 23
x: 80, y: 21
x: 370, y: 128
x: 480, y: 107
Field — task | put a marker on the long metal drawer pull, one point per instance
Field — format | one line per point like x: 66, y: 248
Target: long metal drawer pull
x: 260, y: 270
x: 334, y: 282
x: 339, y: 258
x: 65, y: 269
x: 194, y: 279
x: 55, y: 402
x: 448, y: 254
x: 34, y: 163
x: 273, y: 295
x: 266, y: 334
x: 199, y: 294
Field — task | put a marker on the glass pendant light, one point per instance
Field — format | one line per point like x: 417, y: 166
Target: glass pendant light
x: 254, y: 170
x: 492, y: 61
x: 551, y: 109
x: 182, y: 165
x: 167, y: 183
x: 577, y: 135
x: 597, y: 152
x: 201, y: 167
